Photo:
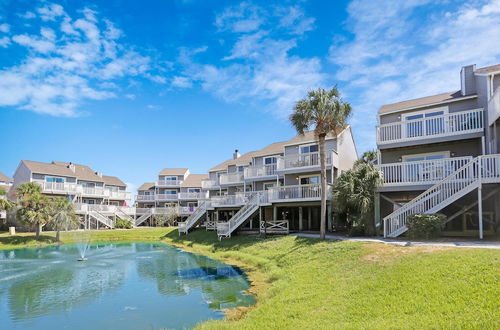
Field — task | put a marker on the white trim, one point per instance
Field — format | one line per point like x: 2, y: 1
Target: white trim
x: 316, y: 143
x: 446, y: 154
x: 445, y: 110
x: 429, y: 104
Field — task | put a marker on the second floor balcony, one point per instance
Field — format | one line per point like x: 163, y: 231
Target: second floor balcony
x: 169, y: 183
x: 166, y: 197
x: 192, y: 195
x: 68, y: 188
x: 306, y: 192
x: 425, y: 172
x: 305, y: 162
x: 261, y: 171
x: 440, y: 126
x: 210, y: 184
x: 231, y: 178
x: 145, y: 198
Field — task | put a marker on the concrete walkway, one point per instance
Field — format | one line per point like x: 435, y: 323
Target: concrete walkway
x: 462, y: 244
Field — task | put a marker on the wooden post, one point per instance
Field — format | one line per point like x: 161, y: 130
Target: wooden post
x: 309, y: 218
x: 301, y: 215
x: 329, y: 219
x: 480, y: 209
x: 275, y: 213
x: 377, y: 212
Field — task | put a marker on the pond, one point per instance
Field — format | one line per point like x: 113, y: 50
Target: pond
x: 120, y: 286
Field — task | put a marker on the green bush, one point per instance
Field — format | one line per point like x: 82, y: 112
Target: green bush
x: 357, y: 230
x: 123, y: 224
x: 425, y: 225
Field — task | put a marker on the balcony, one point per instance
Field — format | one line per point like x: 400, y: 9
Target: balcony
x: 118, y: 194
x: 261, y: 171
x: 62, y: 188
x: 443, y: 126
x: 185, y: 210
x: 305, y: 162
x: 192, y: 195
x: 168, y: 183
x: 299, y: 193
x: 228, y: 200
x: 425, y: 172
x: 66, y: 188
x: 210, y: 184
x: 231, y: 178
x: 145, y: 198
x: 166, y: 197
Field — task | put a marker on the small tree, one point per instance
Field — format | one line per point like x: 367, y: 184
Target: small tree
x: 166, y: 218
x: 35, y: 208
x: 63, y: 216
x: 5, y: 204
x: 326, y: 112
x: 354, y: 191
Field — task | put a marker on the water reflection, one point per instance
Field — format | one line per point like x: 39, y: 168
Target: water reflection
x: 134, y: 283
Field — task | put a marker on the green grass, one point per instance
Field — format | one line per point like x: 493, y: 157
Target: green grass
x: 306, y: 283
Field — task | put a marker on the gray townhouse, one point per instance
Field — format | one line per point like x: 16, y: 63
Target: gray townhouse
x: 99, y: 199
x: 439, y: 153
x: 276, y: 189
x: 5, y: 184
x: 176, y: 190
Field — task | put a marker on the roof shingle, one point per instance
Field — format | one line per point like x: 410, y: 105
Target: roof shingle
x: 422, y: 101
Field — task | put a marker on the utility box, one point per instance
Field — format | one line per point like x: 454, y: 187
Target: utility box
x: 12, y: 230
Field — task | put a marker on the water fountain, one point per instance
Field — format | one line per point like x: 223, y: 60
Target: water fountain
x: 82, y: 240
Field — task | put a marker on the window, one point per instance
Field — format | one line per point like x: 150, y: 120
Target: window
x: 170, y: 178
x: 170, y: 192
x: 308, y: 149
x: 54, y: 179
x: 112, y: 188
x: 192, y: 206
x: 241, y: 169
x: 429, y: 126
x: 426, y: 169
x: 270, y: 160
x: 194, y: 190
x: 268, y: 185
x: 309, y: 180
x: 89, y: 201
x: 87, y: 184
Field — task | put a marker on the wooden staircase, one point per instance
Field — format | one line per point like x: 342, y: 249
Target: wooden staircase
x: 480, y: 170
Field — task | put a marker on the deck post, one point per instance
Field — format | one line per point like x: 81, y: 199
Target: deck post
x: 275, y: 213
x: 301, y: 225
x: 377, y: 212
x: 309, y: 216
x: 329, y: 216
x: 480, y: 209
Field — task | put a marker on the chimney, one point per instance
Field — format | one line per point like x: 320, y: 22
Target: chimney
x: 236, y: 154
x: 98, y: 174
x: 468, y: 80
x: 71, y: 166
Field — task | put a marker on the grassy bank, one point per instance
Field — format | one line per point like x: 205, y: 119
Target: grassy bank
x: 305, y: 283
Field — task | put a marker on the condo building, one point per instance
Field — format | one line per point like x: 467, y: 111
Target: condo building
x: 98, y: 198
x: 275, y: 189
x: 439, y: 153
x: 176, y: 190
x: 5, y: 184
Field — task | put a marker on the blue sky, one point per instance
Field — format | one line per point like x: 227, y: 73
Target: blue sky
x: 131, y: 87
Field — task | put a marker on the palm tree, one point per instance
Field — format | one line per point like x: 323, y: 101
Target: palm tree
x: 325, y: 112
x: 5, y: 204
x: 35, y: 208
x: 354, y: 190
x: 63, y: 215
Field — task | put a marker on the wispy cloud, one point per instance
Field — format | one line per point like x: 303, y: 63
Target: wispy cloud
x: 69, y: 61
x: 408, y: 49
x: 258, y: 65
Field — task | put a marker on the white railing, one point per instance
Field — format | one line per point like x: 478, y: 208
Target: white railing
x: 228, y: 178
x: 258, y: 171
x: 228, y: 200
x: 483, y: 169
x: 161, y: 197
x: 455, y: 123
x: 145, y: 216
x: 420, y: 172
x: 209, y: 184
x: 94, y: 191
x: 297, y: 192
x: 77, y: 189
x: 194, y: 218
x: 303, y: 160
x: 187, y: 209
x: 102, y: 219
x: 146, y: 198
x: 169, y: 183
x: 275, y: 227
x: 494, y: 107
x: 119, y: 194
x: 59, y: 187
x: 142, y: 210
x: 225, y: 229
x: 192, y: 195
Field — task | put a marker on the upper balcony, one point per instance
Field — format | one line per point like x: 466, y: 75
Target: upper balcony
x: 305, y: 162
x: 445, y: 127
x: 267, y: 171
x: 414, y: 175
x: 145, y: 198
x: 66, y: 188
x: 192, y: 195
x: 297, y: 193
x: 169, y: 183
x: 210, y: 184
x: 235, y: 178
x: 166, y: 197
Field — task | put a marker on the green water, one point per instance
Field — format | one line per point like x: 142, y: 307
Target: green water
x: 121, y: 286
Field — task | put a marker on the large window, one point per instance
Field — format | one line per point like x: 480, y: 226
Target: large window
x: 170, y: 192
x: 425, y: 122
x: 194, y: 190
x: 424, y: 166
x: 54, y: 179
x: 308, y: 149
x: 268, y: 185
x: 309, y: 180
x: 170, y: 178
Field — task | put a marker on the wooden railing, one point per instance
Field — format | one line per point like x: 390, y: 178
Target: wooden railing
x: 449, y: 124
x: 296, y: 192
x: 420, y: 172
x: 274, y: 227
x: 228, y: 178
x: 257, y: 171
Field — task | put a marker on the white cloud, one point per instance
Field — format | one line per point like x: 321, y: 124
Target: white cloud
x: 407, y: 49
x: 259, y: 66
x: 130, y: 96
x: 65, y: 68
x: 182, y: 82
x: 4, y: 27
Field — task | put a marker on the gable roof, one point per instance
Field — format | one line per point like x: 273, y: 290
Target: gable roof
x: 423, y: 101
x: 173, y: 171
x: 48, y: 168
x: 194, y: 180
x: 489, y: 69
x: 146, y: 186
x: 113, y: 181
x: 83, y: 172
x: 4, y: 178
x: 242, y: 160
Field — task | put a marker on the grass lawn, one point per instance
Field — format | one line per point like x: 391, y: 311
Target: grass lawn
x: 305, y: 283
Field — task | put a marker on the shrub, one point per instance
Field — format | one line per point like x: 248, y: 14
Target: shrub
x: 123, y: 224
x: 357, y: 230
x: 425, y: 225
